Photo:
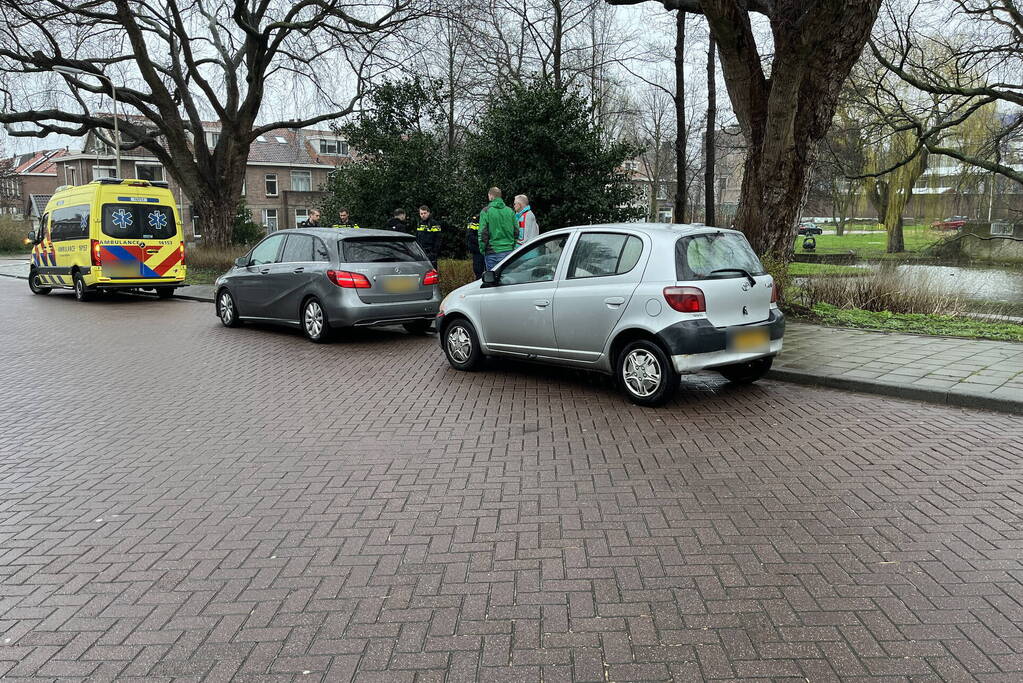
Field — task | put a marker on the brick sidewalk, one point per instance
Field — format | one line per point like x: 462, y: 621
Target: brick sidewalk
x: 179, y: 500
x: 965, y: 372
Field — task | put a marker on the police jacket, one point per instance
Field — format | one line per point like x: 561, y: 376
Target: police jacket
x: 396, y: 224
x: 472, y: 235
x: 349, y: 224
x: 428, y: 234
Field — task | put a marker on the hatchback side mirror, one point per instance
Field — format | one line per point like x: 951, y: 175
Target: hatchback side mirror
x: 241, y: 262
x: 490, y: 278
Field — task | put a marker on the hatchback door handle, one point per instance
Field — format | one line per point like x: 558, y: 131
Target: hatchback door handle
x: 614, y: 300
x: 298, y: 270
x: 542, y: 303
x: 264, y: 271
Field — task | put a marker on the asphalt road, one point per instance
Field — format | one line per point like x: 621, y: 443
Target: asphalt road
x: 180, y: 500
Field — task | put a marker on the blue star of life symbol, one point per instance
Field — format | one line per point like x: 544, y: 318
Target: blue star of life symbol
x: 158, y: 219
x: 122, y: 218
x: 84, y: 222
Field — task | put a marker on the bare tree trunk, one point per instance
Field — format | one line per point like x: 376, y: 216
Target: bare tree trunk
x: 709, y: 142
x: 680, y: 118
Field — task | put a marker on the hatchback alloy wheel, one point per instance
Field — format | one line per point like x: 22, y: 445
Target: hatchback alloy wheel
x: 459, y: 343
x: 642, y: 373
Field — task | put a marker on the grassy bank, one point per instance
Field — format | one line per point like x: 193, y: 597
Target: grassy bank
x: 915, y: 323
x: 872, y: 245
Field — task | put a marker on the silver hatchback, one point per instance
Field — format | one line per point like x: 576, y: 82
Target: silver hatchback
x: 320, y: 279
x: 643, y: 302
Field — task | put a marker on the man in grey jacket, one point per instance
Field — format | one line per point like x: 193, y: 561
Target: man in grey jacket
x: 526, y: 219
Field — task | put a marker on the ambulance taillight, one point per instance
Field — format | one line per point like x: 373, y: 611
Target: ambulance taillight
x: 94, y: 250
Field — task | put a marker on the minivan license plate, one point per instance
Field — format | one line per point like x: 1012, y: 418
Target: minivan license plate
x: 756, y: 339
x: 400, y: 284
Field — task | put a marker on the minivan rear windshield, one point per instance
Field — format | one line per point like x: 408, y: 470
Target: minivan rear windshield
x: 381, y: 250
x: 138, y: 221
x: 714, y: 255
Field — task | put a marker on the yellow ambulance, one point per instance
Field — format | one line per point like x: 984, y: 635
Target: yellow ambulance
x: 110, y: 234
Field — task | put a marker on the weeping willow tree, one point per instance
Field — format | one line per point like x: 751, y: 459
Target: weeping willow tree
x: 899, y: 186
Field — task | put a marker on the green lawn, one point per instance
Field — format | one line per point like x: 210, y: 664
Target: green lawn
x: 872, y: 245
x: 917, y: 323
x: 808, y: 269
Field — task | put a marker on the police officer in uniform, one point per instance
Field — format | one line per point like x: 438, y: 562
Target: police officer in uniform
x: 345, y: 220
x: 428, y: 234
x: 472, y: 243
x: 313, y: 221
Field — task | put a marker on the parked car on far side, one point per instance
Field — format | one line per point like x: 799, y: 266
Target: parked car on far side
x: 321, y: 279
x: 808, y: 228
x: 950, y: 223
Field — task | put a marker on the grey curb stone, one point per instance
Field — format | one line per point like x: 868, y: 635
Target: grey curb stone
x: 915, y: 393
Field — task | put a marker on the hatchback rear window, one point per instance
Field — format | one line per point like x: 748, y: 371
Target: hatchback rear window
x: 380, y: 250
x: 714, y: 255
x: 138, y: 221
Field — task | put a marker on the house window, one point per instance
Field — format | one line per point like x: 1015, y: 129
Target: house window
x: 301, y: 215
x: 70, y: 175
x: 334, y: 147
x: 243, y: 186
x: 270, y: 219
x: 103, y: 172
x: 271, y: 184
x: 214, y: 139
x: 301, y: 181
x: 149, y: 171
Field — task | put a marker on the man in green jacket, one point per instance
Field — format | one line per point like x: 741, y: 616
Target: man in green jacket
x: 497, y: 229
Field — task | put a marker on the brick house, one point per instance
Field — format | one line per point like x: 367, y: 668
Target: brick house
x: 286, y: 172
x: 27, y: 181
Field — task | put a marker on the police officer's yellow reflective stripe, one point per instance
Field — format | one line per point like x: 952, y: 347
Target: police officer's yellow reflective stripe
x: 473, y: 226
x: 353, y: 227
x: 428, y: 228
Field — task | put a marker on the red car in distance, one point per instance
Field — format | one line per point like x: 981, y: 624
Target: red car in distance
x: 950, y: 223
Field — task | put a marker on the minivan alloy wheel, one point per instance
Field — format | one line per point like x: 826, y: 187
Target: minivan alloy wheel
x: 313, y: 319
x: 226, y: 306
x: 642, y: 372
x: 459, y: 343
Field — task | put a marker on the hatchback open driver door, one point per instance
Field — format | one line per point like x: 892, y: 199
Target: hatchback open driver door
x: 518, y: 311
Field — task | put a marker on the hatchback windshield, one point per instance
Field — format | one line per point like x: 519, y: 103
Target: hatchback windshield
x: 715, y: 255
x: 381, y: 250
x: 138, y: 221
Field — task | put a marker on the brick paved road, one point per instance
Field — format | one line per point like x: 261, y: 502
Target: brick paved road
x: 182, y: 500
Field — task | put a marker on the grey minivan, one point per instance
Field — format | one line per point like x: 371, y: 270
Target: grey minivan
x: 320, y: 279
x: 642, y: 302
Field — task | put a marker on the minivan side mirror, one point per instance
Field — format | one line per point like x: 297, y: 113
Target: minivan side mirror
x: 490, y: 278
x: 241, y: 261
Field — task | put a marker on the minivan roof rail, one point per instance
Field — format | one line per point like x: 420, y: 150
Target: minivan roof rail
x: 132, y: 181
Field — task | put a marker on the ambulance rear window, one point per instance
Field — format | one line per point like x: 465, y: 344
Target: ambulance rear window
x: 138, y: 221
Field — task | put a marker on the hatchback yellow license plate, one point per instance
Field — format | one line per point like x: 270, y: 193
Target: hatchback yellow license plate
x: 400, y: 284
x: 756, y: 339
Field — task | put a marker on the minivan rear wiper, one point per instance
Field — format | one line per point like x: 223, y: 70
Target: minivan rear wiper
x: 752, y: 282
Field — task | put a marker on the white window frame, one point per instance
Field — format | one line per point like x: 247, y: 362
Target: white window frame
x: 303, y: 174
x: 112, y: 174
x: 151, y: 165
x: 214, y: 138
x: 270, y: 220
x: 340, y: 147
x: 301, y: 215
x: 266, y: 184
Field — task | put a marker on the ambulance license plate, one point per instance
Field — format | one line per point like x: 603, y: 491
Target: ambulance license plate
x: 746, y: 341
x: 400, y: 284
x: 122, y: 270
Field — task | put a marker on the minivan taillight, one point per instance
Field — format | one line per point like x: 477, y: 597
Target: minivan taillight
x: 94, y: 253
x: 685, y: 299
x: 343, y: 278
x: 431, y: 278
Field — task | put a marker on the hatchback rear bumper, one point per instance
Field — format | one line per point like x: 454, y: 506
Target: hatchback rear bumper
x: 696, y: 344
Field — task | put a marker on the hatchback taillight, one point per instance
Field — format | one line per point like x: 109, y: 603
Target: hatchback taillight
x: 685, y: 299
x: 431, y: 278
x: 343, y: 278
x: 94, y: 252
x: 774, y: 292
